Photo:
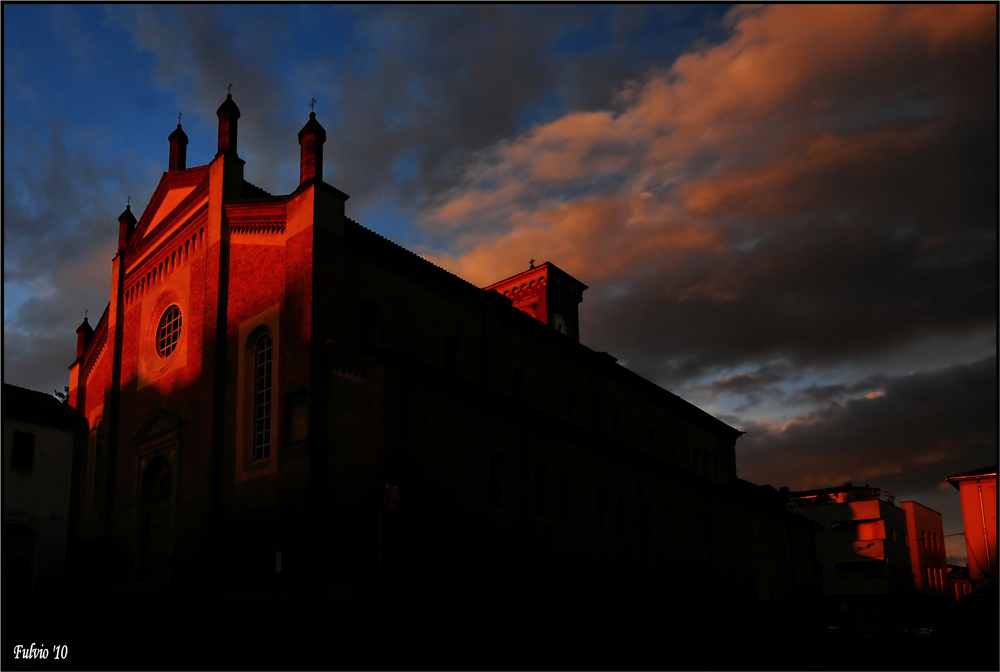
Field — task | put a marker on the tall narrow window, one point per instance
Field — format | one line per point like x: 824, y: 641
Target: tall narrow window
x: 623, y: 511
x: 450, y: 354
x: 602, y: 506
x: 496, y: 464
x: 368, y: 315
x: 98, y: 463
x: 262, y: 355
x: 517, y: 383
x: 564, y: 497
x: 570, y: 405
x: 539, y: 490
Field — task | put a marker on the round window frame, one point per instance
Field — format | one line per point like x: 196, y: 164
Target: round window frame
x: 159, y: 325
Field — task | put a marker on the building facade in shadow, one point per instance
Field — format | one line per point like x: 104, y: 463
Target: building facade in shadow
x: 282, y: 401
x: 40, y: 437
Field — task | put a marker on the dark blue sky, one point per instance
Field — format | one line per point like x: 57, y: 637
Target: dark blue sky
x: 785, y: 214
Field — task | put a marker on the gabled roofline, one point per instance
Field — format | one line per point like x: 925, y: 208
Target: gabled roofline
x: 198, y: 176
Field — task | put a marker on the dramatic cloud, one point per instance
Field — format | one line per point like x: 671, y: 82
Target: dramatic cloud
x: 779, y: 227
x: 820, y: 185
x: 925, y: 425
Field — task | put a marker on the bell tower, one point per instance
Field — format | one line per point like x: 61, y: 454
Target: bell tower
x: 547, y: 293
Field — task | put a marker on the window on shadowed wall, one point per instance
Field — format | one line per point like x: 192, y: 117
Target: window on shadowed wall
x: 368, y: 315
x: 602, y: 507
x: 564, y: 497
x: 570, y: 405
x: 647, y: 523
x: 451, y: 354
x: 517, y: 383
x: 539, y: 490
x: 98, y: 464
x: 623, y: 515
x: 496, y: 465
x: 23, y: 454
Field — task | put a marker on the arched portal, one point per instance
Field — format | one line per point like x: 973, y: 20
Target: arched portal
x: 154, y: 521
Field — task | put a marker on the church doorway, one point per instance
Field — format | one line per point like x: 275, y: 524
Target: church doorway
x: 154, y: 521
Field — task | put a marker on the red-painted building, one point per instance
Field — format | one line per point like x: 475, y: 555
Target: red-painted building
x: 267, y: 367
x: 978, y: 490
x: 928, y: 559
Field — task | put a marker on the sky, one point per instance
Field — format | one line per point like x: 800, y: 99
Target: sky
x: 785, y: 214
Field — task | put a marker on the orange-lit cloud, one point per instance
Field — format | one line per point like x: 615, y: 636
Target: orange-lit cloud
x: 922, y: 426
x: 793, y: 109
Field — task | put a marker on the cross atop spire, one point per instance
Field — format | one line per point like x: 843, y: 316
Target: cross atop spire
x: 229, y: 89
x: 312, y: 105
x: 179, y: 118
x: 531, y: 264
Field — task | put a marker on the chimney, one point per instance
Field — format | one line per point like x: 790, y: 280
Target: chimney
x: 229, y: 116
x: 178, y: 149
x: 126, y: 225
x: 311, y: 139
x: 83, y: 334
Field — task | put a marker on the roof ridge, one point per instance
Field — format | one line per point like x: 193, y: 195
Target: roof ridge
x: 254, y: 188
x: 393, y: 243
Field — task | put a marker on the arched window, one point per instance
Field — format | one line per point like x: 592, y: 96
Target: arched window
x: 262, y: 383
x: 98, y: 463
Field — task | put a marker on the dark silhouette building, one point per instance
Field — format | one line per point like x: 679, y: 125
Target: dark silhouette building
x: 40, y: 437
x: 282, y: 401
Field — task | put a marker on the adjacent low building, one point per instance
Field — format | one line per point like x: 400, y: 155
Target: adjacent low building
x: 863, y: 539
x: 40, y: 437
x: 862, y: 543
x: 928, y: 559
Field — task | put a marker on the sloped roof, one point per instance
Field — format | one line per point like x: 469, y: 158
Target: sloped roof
x: 972, y: 473
x: 40, y: 408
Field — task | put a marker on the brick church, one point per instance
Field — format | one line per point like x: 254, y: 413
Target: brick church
x: 280, y: 399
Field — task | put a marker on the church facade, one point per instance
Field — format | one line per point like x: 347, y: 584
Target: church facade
x: 278, y: 395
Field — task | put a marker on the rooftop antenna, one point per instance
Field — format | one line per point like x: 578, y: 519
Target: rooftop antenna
x: 312, y: 104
